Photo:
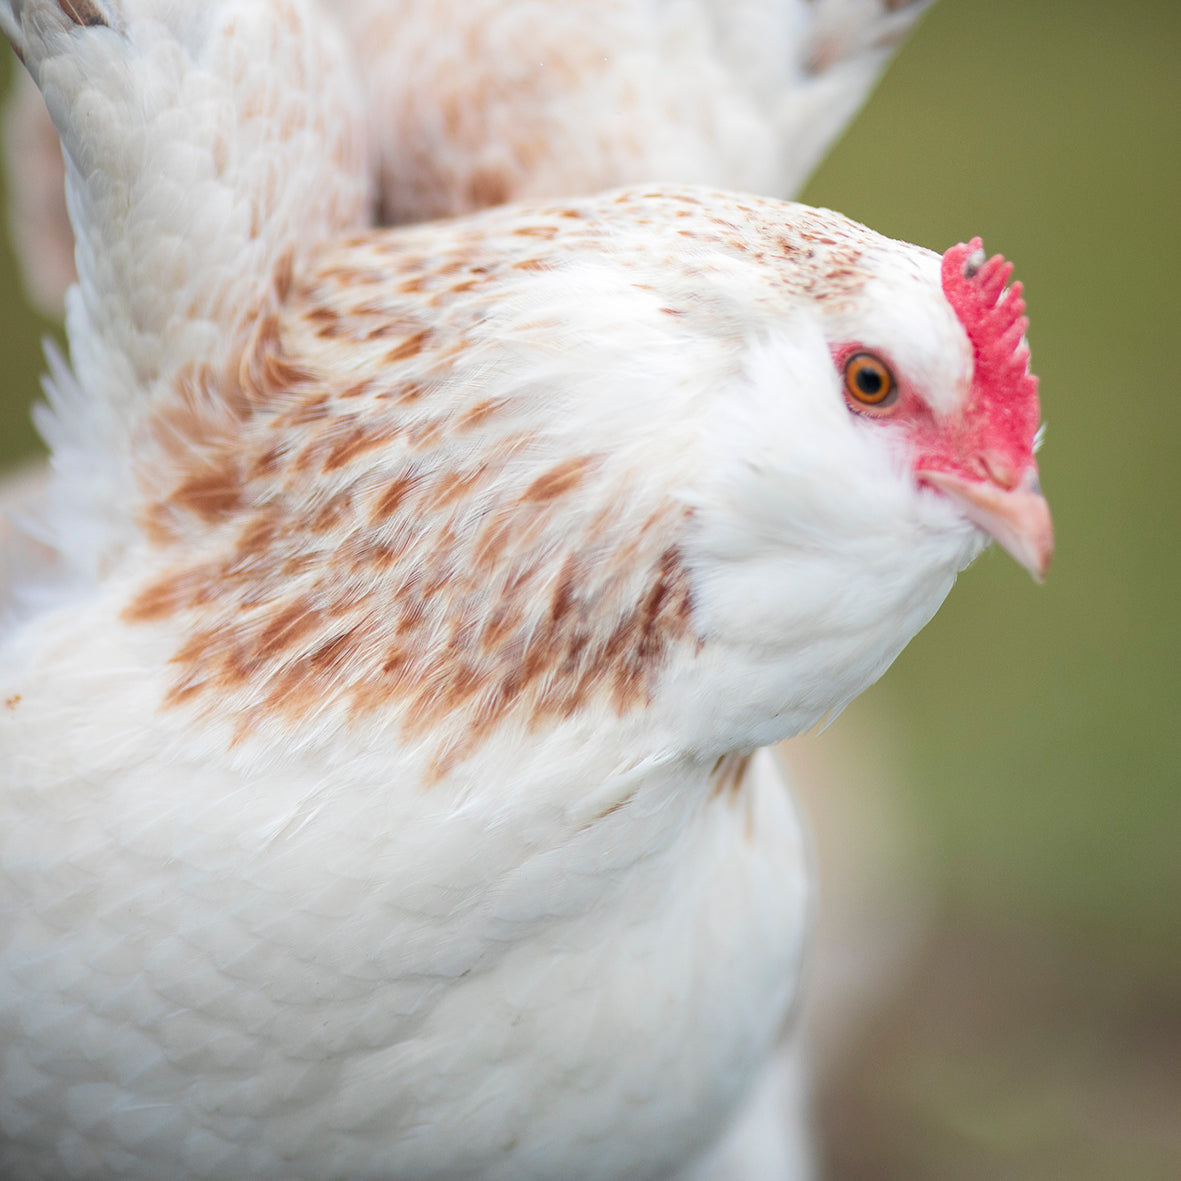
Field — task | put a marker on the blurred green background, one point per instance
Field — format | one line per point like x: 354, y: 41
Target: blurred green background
x: 1039, y: 1035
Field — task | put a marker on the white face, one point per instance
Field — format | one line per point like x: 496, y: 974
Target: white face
x: 818, y: 552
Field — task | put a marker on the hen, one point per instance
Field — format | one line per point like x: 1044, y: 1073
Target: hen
x: 380, y: 787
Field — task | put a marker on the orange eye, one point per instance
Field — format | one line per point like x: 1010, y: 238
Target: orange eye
x: 869, y: 381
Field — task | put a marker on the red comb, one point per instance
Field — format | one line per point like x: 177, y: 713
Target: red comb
x: 1004, y: 392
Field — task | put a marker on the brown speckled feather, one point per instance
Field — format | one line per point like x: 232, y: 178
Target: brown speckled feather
x: 357, y: 523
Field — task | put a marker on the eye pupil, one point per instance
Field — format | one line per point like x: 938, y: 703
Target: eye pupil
x: 869, y: 381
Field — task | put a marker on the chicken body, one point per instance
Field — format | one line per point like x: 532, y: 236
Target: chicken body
x: 378, y: 792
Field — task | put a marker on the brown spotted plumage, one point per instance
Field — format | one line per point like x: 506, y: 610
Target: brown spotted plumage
x: 357, y: 528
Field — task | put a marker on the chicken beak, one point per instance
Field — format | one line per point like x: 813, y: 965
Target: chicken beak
x: 1017, y: 517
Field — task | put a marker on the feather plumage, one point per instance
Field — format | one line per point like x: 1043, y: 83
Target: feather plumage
x: 478, y: 103
x: 379, y: 804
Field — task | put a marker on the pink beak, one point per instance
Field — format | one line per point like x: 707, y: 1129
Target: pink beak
x: 1018, y: 517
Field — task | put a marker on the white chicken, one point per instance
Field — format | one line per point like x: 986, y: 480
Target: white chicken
x: 380, y: 795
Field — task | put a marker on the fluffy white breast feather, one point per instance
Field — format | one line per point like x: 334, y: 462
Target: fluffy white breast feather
x: 378, y: 796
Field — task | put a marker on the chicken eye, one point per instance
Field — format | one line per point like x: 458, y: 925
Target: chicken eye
x: 868, y: 380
